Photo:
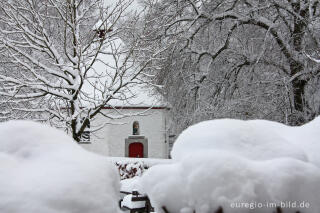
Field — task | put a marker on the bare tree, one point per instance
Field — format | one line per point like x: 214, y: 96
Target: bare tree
x: 241, y: 59
x: 67, y: 55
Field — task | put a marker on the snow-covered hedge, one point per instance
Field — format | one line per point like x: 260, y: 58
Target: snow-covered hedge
x: 130, y: 169
x: 241, y: 166
x: 43, y: 170
x: 254, y: 139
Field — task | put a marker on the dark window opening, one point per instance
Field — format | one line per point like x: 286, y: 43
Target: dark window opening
x: 135, y: 128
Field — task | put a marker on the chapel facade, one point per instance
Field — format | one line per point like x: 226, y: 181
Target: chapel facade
x: 141, y: 132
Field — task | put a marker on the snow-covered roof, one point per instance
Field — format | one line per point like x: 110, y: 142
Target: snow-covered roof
x: 135, y: 95
x: 139, y: 97
x: 98, y: 25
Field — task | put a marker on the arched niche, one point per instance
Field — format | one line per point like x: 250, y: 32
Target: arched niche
x: 135, y: 128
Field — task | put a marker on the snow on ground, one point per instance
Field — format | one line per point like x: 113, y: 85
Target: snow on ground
x: 239, y: 165
x: 44, y: 170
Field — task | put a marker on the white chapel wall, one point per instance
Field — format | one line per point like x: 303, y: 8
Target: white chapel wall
x: 110, y: 140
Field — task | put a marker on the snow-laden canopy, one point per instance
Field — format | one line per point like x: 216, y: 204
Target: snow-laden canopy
x: 239, y: 166
x: 43, y: 170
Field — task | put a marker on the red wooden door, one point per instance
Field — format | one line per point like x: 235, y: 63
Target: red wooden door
x: 136, y: 150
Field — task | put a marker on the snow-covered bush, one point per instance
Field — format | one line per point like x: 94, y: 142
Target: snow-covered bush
x: 254, y: 139
x: 130, y: 169
x: 135, y: 167
x: 241, y: 166
x: 43, y: 170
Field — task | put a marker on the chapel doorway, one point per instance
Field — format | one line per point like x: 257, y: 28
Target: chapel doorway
x: 136, y: 150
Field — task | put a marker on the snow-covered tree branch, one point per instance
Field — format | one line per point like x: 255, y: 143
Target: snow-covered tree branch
x: 241, y: 59
x: 69, y: 54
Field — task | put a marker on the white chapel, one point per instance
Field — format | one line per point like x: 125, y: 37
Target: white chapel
x: 140, y: 130
x: 142, y: 135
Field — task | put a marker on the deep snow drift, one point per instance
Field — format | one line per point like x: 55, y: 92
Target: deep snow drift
x: 255, y: 139
x: 44, y: 170
x: 239, y: 165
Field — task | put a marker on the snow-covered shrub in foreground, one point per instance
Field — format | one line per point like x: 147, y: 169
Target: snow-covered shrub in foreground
x: 255, y: 139
x: 44, y: 170
x: 135, y: 167
x: 130, y: 169
x: 237, y: 165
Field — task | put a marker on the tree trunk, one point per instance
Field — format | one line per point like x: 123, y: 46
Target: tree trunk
x: 298, y: 96
x: 75, y: 136
x: 298, y: 85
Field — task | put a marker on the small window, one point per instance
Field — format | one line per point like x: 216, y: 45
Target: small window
x: 135, y: 128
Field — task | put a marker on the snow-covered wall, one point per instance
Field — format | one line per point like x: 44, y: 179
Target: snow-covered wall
x: 110, y: 141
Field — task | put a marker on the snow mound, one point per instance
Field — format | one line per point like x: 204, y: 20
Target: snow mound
x: 255, y: 139
x: 43, y: 170
x: 307, y: 137
x: 204, y: 182
x: 241, y: 166
x: 130, y: 184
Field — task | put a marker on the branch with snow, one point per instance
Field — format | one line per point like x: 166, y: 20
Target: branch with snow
x: 55, y: 50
